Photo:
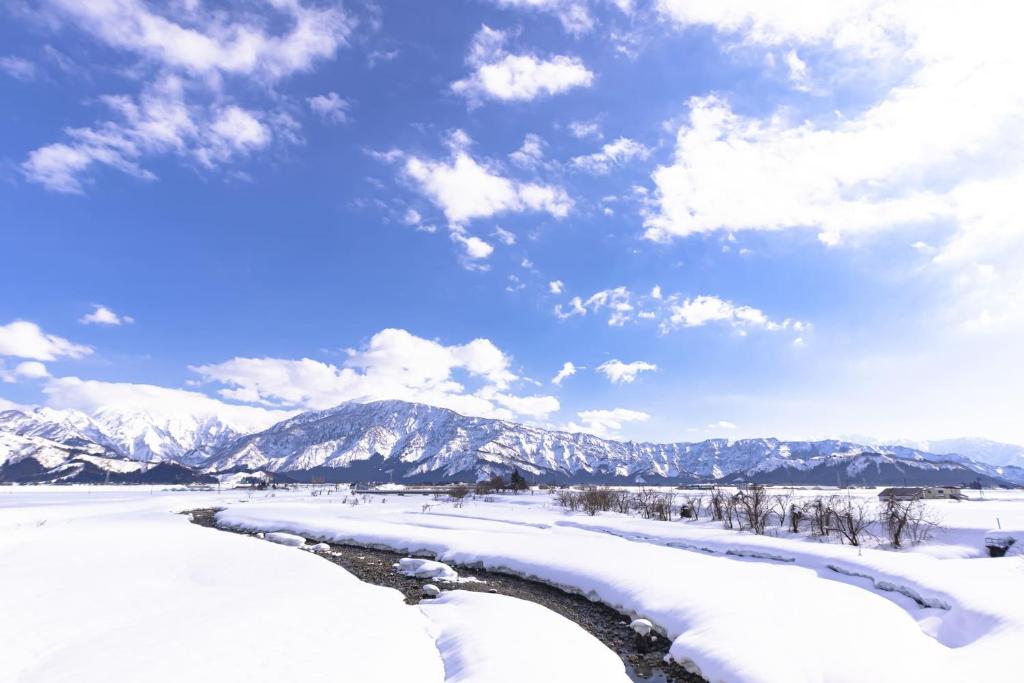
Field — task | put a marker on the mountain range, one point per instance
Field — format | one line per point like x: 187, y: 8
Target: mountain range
x: 410, y: 442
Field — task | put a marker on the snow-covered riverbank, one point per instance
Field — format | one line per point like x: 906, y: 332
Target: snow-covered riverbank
x: 739, y: 607
x: 108, y: 584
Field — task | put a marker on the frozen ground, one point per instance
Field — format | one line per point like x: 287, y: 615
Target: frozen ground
x: 103, y: 583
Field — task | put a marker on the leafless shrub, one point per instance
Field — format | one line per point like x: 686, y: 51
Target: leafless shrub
x: 458, y: 492
x: 495, y: 484
x: 921, y: 522
x: 595, y: 499
x: 568, y: 499
x: 692, y: 505
x: 663, y: 506
x: 644, y: 501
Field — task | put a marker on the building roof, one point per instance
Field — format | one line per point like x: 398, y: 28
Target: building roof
x: 900, y: 492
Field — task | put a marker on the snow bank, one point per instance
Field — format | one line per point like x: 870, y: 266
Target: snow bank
x: 488, y: 638
x: 732, y: 610
x: 185, y: 603
x: 285, y: 539
x: 426, y: 569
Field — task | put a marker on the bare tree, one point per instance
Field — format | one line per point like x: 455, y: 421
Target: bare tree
x: 796, y: 515
x: 568, y: 499
x: 821, y: 514
x: 692, y: 505
x: 623, y: 502
x: 781, y: 504
x: 717, y: 505
x: 663, y: 506
x: 753, y: 505
x: 895, y: 516
x: 852, y: 519
x: 921, y: 522
x: 597, y: 499
x: 728, y: 511
x: 644, y: 499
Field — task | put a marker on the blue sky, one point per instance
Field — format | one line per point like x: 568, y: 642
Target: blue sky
x: 731, y: 219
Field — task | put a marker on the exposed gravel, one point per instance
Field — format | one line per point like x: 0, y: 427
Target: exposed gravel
x: 375, y: 566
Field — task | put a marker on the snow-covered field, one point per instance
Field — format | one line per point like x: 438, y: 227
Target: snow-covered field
x: 106, y: 584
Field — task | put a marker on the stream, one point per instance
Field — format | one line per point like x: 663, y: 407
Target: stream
x: 374, y: 565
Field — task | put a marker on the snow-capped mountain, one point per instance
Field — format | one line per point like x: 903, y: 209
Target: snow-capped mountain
x: 137, y: 435
x: 415, y: 442
x: 981, y: 450
x: 400, y: 440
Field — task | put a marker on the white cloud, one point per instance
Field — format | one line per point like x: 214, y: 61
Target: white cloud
x: 101, y: 315
x: 160, y: 402
x: 573, y: 14
x: 568, y: 370
x: 475, y: 248
x: 939, y: 147
x: 183, y: 47
x: 721, y: 424
x: 556, y: 286
x: 613, y: 154
x: 535, y: 407
x: 704, y: 309
x: 585, y: 129
x: 575, y: 308
x: 797, y: 70
x: 158, y: 122
x: 506, y: 77
x: 617, y: 301
x: 184, y: 36
x: 531, y: 154
x: 11, y: 405
x: 412, y: 217
x: 24, y: 339
x: 31, y: 369
x: 624, y: 373
x: 19, y: 68
x: 331, y: 107
x: 514, y: 284
x: 504, y: 236
x: 606, y: 423
x: 465, y: 188
x: 394, y: 365
x: 674, y: 311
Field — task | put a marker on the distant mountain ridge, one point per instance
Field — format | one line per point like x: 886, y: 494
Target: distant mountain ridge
x: 402, y: 441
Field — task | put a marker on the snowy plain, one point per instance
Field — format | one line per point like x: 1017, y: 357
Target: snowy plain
x: 109, y: 584
x: 101, y: 583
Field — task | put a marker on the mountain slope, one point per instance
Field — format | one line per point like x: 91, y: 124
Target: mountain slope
x: 136, y: 434
x: 982, y: 450
x: 396, y: 440
x: 400, y: 440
